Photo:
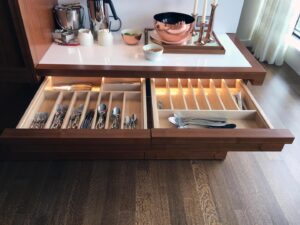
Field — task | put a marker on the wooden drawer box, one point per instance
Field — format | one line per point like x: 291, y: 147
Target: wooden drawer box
x: 208, y: 98
x: 204, y: 98
x: 127, y: 94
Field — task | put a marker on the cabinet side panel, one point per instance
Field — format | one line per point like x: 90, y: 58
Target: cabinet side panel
x: 38, y: 22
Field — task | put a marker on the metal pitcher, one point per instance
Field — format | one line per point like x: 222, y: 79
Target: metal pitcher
x: 69, y: 17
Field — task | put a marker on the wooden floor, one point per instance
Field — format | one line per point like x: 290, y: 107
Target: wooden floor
x: 246, y: 188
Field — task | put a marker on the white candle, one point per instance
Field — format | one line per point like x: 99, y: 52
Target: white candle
x: 215, y: 2
x: 204, y: 11
x: 196, y: 7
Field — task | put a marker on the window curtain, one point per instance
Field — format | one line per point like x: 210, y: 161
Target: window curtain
x: 274, y: 25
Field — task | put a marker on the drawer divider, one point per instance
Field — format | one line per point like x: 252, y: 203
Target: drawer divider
x: 227, y: 92
x: 84, y: 111
x: 169, y: 93
x: 69, y: 112
x: 96, y: 112
x: 154, y: 104
x: 108, y: 111
x: 215, y: 92
x: 123, y: 110
x: 182, y: 94
x: 190, y: 87
x: 51, y: 116
x: 201, y: 92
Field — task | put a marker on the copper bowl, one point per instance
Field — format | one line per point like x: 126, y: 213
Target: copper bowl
x: 131, y: 36
x: 173, y: 26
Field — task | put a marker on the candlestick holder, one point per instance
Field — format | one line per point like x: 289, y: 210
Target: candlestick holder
x: 195, y: 16
x: 209, y: 32
x: 200, y: 40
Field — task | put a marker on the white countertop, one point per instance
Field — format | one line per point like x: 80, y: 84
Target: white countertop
x: 123, y: 55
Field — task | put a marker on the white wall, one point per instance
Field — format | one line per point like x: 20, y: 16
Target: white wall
x: 139, y: 13
x: 247, y: 20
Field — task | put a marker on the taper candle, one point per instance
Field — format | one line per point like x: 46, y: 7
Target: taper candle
x: 196, y: 7
x: 204, y: 11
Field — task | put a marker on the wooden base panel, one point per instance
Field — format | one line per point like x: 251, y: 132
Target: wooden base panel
x: 183, y: 154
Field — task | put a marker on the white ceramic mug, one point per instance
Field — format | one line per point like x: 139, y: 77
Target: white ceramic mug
x: 105, y: 38
x: 85, y: 37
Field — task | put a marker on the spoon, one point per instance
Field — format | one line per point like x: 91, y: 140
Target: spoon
x: 101, y: 109
x: 116, y: 118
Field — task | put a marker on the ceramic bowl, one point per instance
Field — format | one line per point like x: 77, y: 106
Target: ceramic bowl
x: 153, y: 52
x: 131, y: 36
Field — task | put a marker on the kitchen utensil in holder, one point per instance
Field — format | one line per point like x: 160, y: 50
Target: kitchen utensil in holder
x: 209, y: 32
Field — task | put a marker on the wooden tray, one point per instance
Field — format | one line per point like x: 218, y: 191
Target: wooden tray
x: 187, y: 48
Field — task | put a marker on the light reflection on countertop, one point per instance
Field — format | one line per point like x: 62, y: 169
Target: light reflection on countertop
x: 124, y: 55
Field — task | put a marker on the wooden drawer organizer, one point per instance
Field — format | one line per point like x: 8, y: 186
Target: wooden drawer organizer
x: 129, y: 96
x: 205, y: 98
x: 187, y: 97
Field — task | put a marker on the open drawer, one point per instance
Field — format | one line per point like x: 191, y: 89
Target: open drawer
x: 231, y: 100
x: 78, y: 132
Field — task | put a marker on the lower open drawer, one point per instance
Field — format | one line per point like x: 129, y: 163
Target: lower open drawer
x: 63, y: 120
x: 226, y: 100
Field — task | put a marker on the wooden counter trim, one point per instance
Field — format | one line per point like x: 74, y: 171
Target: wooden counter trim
x: 194, y: 136
x: 65, y: 134
x: 256, y: 73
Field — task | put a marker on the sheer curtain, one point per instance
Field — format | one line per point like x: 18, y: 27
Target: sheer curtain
x: 275, y: 23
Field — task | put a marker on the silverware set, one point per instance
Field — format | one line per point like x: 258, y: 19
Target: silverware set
x: 116, y: 118
x: 102, y: 111
x: 87, y: 123
x: 59, y: 117
x: 75, y: 118
x: 130, y: 121
x: 39, y: 120
x: 190, y: 122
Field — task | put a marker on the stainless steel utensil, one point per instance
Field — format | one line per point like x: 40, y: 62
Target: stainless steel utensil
x: 75, y: 118
x: 116, y: 116
x: 130, y: 121
x: 99, y: 15
x: 88, y: 119
x: 69, y: 17
x: 185, y: 122
x: 39, y: 120
x: 59, y: 117
x: 101, y: 110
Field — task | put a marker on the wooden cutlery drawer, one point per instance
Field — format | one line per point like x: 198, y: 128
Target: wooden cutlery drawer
x: 85, y: 136
x: 208, y: 99
x: 77, y: 135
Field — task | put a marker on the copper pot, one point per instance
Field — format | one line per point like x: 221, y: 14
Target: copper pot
x: 173, y: 26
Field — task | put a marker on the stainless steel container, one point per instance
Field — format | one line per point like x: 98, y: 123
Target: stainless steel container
x: 69, y: 17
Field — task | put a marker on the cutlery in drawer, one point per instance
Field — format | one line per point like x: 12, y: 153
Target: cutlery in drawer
x: 186, y: 122
x: 59, y: 117
x: 39, y: 120
x: 75, y: 118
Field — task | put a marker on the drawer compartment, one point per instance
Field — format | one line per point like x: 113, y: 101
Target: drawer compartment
x: 63, y: 120
x: 207, y: 99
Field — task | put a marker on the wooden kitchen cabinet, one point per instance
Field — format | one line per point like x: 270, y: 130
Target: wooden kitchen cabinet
x: 15, y: 59
x: 194, y: 86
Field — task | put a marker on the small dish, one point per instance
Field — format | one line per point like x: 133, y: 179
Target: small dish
x: 131, y: 36
x: 153, y: 52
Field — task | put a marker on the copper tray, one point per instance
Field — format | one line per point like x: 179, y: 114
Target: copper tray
x: 186, y: 48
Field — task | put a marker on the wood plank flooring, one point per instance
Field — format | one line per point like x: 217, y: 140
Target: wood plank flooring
x: 246, y: 188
